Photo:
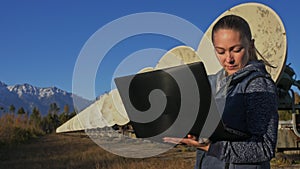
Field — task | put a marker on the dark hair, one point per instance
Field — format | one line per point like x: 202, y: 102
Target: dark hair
x: 239, y: 24
x: 236, y: 23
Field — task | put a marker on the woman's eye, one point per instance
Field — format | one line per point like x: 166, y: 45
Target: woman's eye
x: 220, y: 52
x: 237, y: 49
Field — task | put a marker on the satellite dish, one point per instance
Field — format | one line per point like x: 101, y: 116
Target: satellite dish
x: 119, y: 114
x: 146, y: 69
x: 88, y: 118
x: 267, y: 30
x: 105, y: 112
x: 177, y: 56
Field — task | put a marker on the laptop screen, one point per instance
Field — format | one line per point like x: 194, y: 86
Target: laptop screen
x: 157, y: 101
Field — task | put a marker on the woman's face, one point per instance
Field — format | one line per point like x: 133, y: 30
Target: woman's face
x: 230, y: 50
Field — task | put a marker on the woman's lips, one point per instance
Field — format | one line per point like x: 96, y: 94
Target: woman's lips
x: 230, y: 67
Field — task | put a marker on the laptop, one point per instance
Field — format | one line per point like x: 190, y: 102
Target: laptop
x: 136, y: 90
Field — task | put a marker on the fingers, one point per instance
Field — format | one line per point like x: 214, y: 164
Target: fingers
x: 187, y: 141
x: 172, y: 140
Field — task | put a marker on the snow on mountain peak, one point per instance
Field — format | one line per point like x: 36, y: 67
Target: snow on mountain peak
x: 50, y: 91
x: 26, y: 89
x: 28, y: 97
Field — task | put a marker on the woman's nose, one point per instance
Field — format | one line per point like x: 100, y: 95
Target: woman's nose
x: 229, y: 58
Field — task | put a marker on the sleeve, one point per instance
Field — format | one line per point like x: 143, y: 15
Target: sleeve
x: 262, y: 123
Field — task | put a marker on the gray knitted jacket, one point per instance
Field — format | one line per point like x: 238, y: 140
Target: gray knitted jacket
x: 251, y: 106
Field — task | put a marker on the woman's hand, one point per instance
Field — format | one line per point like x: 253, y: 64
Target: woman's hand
x: 190, y: 141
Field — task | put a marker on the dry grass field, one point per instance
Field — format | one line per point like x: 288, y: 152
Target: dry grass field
x: 58, y: 151
x: 62, y: 151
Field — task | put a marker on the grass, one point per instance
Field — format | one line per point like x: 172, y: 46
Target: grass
x: 67, y: 152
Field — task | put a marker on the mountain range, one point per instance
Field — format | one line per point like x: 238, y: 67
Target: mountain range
x: 29, y: 96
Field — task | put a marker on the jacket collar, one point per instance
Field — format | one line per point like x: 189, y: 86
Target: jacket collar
x: 252, y: 66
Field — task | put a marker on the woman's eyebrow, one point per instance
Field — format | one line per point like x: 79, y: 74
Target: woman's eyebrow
x: 238, y: 45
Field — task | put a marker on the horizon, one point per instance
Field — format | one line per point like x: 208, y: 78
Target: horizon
x: 41, y: 41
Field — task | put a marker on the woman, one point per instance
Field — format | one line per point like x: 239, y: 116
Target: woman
x: 251, y: 102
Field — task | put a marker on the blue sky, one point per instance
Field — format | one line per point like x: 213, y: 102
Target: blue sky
x: 41, y: 40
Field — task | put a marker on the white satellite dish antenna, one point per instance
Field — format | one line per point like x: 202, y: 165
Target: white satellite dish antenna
x: 267, y: 30
x: 177, y: 56
x: 105, y: 112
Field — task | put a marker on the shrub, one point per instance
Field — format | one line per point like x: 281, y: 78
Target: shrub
x: 17, y: 129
